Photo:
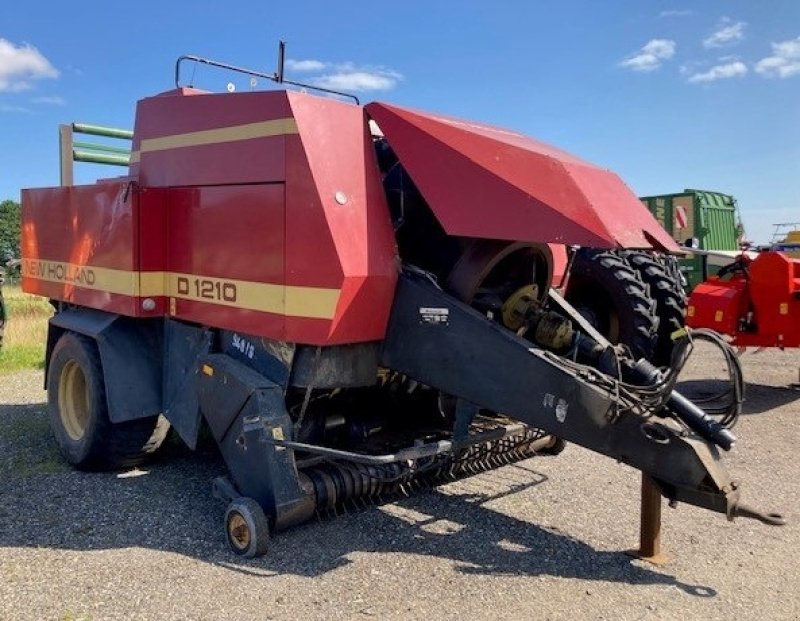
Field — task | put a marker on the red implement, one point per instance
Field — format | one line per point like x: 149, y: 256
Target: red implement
x: 265, y: 213
x: 758, y: 305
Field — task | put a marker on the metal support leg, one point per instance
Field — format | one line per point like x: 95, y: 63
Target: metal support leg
x: 650, y: 525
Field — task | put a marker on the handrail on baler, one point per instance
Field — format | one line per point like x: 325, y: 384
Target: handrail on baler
x: 71, y: 151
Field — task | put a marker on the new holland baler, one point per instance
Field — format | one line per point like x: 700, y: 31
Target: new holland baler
x: 352, y: 298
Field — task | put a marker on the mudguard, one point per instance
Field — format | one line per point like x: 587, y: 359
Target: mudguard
x: 130, y: 353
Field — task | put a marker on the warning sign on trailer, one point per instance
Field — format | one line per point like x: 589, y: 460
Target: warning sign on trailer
x: 434, y: 315
x: 680, y: 217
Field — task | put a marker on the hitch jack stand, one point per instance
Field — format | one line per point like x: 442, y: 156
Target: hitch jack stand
x: 650, y: 525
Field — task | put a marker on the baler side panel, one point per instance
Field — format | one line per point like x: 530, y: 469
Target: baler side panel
x: 153, y: 211
x: 338, y: 227
x: 226, y: 257
x: 206, y: 140
x: 323, y: 271
x: 79, y: 245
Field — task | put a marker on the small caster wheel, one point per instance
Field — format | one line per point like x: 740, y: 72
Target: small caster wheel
x: 555, y: 448
x: 246, y: 528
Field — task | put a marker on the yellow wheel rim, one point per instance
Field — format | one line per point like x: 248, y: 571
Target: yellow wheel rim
x: 73, y: 400
x: 238, y: 531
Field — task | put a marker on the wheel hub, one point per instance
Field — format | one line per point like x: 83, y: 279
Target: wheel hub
x: 73, y: 400
x: 238, y: 531
x: 517, y: 306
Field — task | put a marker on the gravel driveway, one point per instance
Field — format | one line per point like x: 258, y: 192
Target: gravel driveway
x: 537, y: 540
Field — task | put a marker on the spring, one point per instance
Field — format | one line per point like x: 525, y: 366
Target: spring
x: 339, y: 485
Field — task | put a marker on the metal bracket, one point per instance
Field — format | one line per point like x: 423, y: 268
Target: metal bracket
x: 567, y: 308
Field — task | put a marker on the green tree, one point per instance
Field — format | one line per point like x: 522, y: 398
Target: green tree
x: 9, y: 230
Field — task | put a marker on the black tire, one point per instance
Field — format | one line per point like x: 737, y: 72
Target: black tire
x: 246, y: 528
x: 556, y: 448
x: 666, y: 288
x: 78, y: 412
x: 611, y: 295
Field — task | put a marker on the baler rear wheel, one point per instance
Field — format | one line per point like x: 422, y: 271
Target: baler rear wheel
x: 246, y: 528
x: 78, y: 412
x: 611, y: 295
x: 668, y: 292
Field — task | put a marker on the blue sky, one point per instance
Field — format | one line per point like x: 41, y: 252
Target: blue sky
x: 667, y: 94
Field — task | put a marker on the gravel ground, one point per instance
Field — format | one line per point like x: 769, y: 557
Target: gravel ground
x: 538, y: 540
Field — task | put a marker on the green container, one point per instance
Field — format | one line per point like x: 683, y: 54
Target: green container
x: 711, y: 218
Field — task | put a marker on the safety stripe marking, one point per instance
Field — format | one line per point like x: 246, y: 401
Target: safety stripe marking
x: 286, y: 300
x: 261, y: 129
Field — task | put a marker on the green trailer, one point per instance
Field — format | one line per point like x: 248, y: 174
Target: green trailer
x: 710, y: 218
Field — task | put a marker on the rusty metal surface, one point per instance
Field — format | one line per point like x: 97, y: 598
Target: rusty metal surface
x: 650, y: 524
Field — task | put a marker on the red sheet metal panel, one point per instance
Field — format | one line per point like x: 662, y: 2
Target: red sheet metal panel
x: 774, y: 289
x: 718, y: 305
x: 79, y: 245
x: 225, y: 265
x: 262, y: 213
x: 185, y: 138
x: 330, y: 253
x: 153, y: 210
x: 338, y: 228
x: 488, y: 182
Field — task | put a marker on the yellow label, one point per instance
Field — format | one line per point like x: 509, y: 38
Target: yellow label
x: 287, y: 300
x: 208, y: 370
x: 784, y: 308
x: 277, y: 433
x: 690, y: 311
x: 718, y: 316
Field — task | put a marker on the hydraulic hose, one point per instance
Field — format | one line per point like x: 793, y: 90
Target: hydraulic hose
x: 727, y: 411
x: 644, y: 372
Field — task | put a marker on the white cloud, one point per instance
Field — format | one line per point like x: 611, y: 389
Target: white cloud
x: 725, y: 34
x: 354, y: 80
x: 784, y: 62
x: 346, y: 76
x: 304, y: 65
x: 650, y: 56
x: 52, y: 101
x: 676, y: 13
x: 720, y: 72
x: 21, y: 64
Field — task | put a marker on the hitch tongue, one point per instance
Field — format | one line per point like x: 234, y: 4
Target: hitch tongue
x: 772, y: 519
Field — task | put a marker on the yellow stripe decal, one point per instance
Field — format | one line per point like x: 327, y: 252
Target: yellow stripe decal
x: 287, y: 300
x: 262, y: 129
x: 122, y: 282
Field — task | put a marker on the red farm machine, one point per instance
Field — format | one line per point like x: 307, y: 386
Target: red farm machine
x: 755, y: 301
x: 349, y: 311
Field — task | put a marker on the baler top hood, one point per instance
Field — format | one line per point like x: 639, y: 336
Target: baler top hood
x: 483, y: 181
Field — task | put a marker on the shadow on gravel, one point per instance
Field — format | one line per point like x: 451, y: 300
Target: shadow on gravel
x: 167, y: 507
x: 758, y: 398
